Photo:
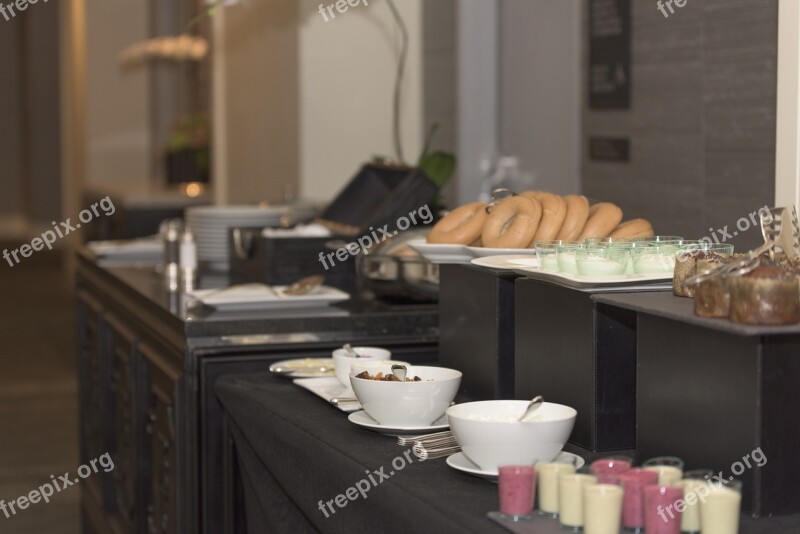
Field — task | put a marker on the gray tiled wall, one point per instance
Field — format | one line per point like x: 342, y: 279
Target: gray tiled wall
x: 702, y: 120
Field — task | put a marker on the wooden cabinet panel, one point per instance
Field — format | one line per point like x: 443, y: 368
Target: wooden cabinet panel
x: 161, y: 446
x: 93, y: 397
x: 124, y: 414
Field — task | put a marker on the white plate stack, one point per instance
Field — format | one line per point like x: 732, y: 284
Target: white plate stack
x: 211, y: 225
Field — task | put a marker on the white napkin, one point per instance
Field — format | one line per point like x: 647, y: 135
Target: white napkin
x: 143, y: 248
x: 301, y: 230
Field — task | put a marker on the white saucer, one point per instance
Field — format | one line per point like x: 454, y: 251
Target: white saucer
x: 460, y: 462
x: 363, y: 420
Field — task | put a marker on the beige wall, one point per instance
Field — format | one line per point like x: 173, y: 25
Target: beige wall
x: 30, y: 188
x: 540, y: 99
x: 118, y: 112
x: 347, y: 73
x: 255, y: 101
x: 304, y: 102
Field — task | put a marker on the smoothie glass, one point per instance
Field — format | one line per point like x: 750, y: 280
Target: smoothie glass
x: 548, y: 486
x: 570, y: 498
x: 517, y: 489
x: 660, y: 513
x: 669, y: 469
x: 565, y: 256
x: 608, y: 469
x: 633, y: 482
x: 546, y: 252
x: 602, y: 261
x: 602, y: 508
x: 719, y: 512
x: 692, y: 481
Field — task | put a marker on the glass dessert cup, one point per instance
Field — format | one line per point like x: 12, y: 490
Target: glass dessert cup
x: 602, y: 261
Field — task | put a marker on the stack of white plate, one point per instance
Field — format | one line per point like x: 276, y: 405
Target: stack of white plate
x: 211, y: 225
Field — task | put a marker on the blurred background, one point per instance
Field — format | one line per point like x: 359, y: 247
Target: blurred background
x: 162, y: 105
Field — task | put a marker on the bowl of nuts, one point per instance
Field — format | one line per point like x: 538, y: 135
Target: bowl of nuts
x: 419, y: 400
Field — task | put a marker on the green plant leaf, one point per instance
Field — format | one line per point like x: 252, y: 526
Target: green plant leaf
x: 438, y: 166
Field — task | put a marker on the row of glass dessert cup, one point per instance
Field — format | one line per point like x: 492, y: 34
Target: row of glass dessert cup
x: 611, y: 495
x: 609, y: 256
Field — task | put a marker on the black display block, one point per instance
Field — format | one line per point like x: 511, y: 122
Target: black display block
x: 711, y: 393
x: 575, y: 352
x: 476, y: 328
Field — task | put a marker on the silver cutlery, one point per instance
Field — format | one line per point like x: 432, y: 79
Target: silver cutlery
x: 350, y: 351
x: 304, y: 285
x: 292, y: 370
x: 532, y: 407
x: 343, y: 400
x: 400, y: 371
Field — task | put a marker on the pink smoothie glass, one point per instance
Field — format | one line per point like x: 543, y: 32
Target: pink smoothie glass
x: 517, y: 489
x: 608, y: 469
x: 660, y: 515
x: 633, y: 482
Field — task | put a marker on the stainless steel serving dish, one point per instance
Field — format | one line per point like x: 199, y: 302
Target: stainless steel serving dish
x: 392, y: 270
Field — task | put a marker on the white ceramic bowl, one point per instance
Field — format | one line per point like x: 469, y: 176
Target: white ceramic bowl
x: 407, y: 403
x: 342, y: 361
x: 490, y: 436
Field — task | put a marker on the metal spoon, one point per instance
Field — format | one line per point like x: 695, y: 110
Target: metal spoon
x: 343, y: 400
x: 304, y: 285
x: 532, y: 407
x: 400, y: 371
x: 350, y: 351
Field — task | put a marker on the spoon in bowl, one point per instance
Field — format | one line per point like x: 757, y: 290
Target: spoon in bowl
x: 350, y: 351
x: 400, y: 371
x: 532, y: 407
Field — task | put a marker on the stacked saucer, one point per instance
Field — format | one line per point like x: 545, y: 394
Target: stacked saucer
x: 211, y: 226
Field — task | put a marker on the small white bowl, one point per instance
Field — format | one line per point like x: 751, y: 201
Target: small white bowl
x: 490, y: 436
x: 342, y: 361
x: 407, y: 403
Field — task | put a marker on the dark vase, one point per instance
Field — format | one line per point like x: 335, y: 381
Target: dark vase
x: 189, y: 165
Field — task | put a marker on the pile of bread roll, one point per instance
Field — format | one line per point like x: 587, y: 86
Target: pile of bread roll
x: 522, y: 220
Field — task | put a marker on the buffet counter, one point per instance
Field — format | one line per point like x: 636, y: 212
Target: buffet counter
x: 289, y: 450
x: 147, y: 366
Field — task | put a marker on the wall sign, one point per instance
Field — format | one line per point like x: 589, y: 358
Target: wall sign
x: 610, y: 149
x: 609, y: 54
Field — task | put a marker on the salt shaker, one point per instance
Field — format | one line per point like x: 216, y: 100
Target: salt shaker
x: 171, y: 232
x: 188, y: 260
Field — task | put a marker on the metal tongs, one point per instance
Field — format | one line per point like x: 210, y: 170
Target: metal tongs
x: 498, y: 195
x: 781, y: 232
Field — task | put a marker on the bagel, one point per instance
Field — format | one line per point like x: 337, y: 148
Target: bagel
x: 554, y: 212
x: 512, y: 223
x: 633, y: 229
x: 603, y: 218
x: 462, y: 226
x: 575, y: 220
